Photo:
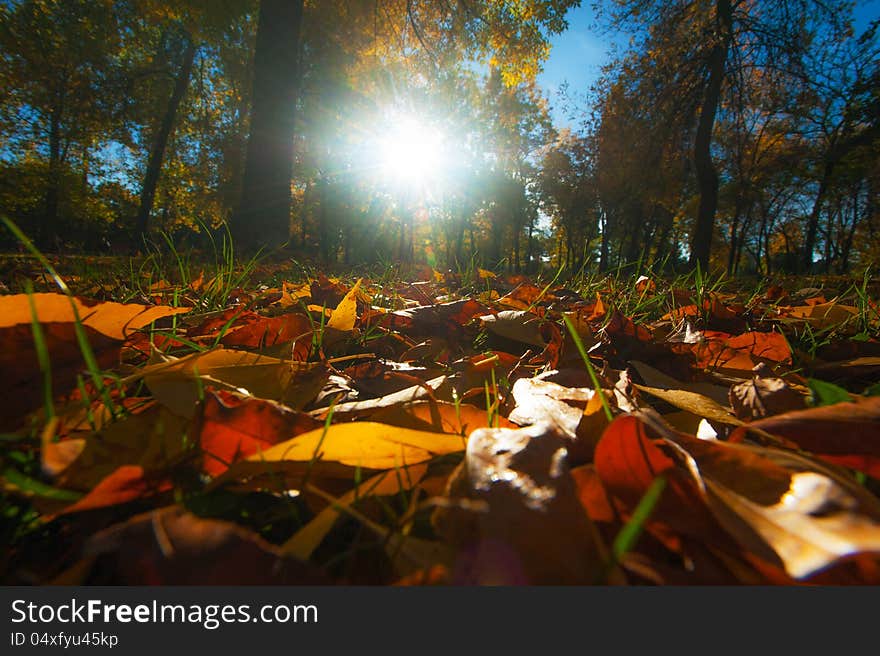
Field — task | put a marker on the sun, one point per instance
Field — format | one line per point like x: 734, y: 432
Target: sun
x: 411, y: 151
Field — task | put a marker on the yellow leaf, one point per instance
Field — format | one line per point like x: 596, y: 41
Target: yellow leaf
x: 345, y: 314
x: 364, y: 444
x: 291, y: 294
x: 485, y: 274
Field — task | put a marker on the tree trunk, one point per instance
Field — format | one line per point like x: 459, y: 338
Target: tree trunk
x: 813, y: 221
x: 528, y: 265
x: 707, y: 176
x: 161, y: 139
x: 603, y: 249
x: 263, y: 215
x: 49, y: 224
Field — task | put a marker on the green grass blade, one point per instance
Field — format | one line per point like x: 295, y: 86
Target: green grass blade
x: 631, y: 531
x: 81, y: 337
x: 42, y: 354
x: 586, y: 358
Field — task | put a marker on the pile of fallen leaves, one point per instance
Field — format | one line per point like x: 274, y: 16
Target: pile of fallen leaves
x: 405, y: 432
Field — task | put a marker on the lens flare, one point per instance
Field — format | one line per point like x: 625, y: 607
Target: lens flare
x: 411, y: 152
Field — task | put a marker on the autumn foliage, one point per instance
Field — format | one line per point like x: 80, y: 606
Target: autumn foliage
x: 426, y: 432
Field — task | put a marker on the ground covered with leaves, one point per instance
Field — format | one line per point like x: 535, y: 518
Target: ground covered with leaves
x: 272, y: 425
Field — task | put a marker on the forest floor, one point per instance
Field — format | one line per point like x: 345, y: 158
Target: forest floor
x: 172, y: 421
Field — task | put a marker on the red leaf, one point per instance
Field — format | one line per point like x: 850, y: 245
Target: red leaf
x: 268, y: 331
x: 234, y: 427
x: 628, y: 460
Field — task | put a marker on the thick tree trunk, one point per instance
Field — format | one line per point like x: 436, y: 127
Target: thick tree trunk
x: 263, y: 215
x: 161, y: 139
x: 707, y: 176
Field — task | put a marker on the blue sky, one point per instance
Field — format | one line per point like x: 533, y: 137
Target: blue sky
x: 579, y: 52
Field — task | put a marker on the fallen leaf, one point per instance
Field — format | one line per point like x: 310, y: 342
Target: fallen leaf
x: 153, y: 440
x: 115, y: 320
x: 540, y: 401
x: 353, y: 409
x: 233, y: 426
x: 268, y: 331
x: 653, y: 377
x: 363, y: 444
x: 344, y: 316
x: 762, y: 397
x: 628, y: 460
x: 179, y: 384
x: 822, y: 315
x: 22, y: 379
x: 173, y: 547
x: 440, y: 416
x: 785, y: 507
x: 846, y: 434
x: 739, y: 354
x: 697, y: 404
x: 125, y: 484
x: 531, y: 528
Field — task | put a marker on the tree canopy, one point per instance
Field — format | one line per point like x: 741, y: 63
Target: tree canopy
x: 729, y: 134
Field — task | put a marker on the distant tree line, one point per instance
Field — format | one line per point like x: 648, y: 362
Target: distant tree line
x: 739, y: 135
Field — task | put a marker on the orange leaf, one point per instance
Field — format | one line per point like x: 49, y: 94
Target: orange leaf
x: 115, y: 320
x: 125, y: 484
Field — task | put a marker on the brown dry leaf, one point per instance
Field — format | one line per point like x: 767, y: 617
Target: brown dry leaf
x: 589, y: 431
x: 153, y: 439
x: 784, y: 507
x: 55, y: 457
x: 520, y: 326
x: 178, y: 384
x: 291, y: 295
x: 644, y: 285
x: 655, y: 378
x: 740, y: 354
x: 821, y: 315
x: 22, y: 378
x: 539, y: 401
x: 127, y: 483
x: 762, y: 397
x: 354, y: 409
x: 442, y: 319
x: 846, y: 434
x: 628, y: 458
x: 522, y: 297
x: 697, y: 404
x: 115, y: 320
x: 513, y: 512
x: 172, y: 547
